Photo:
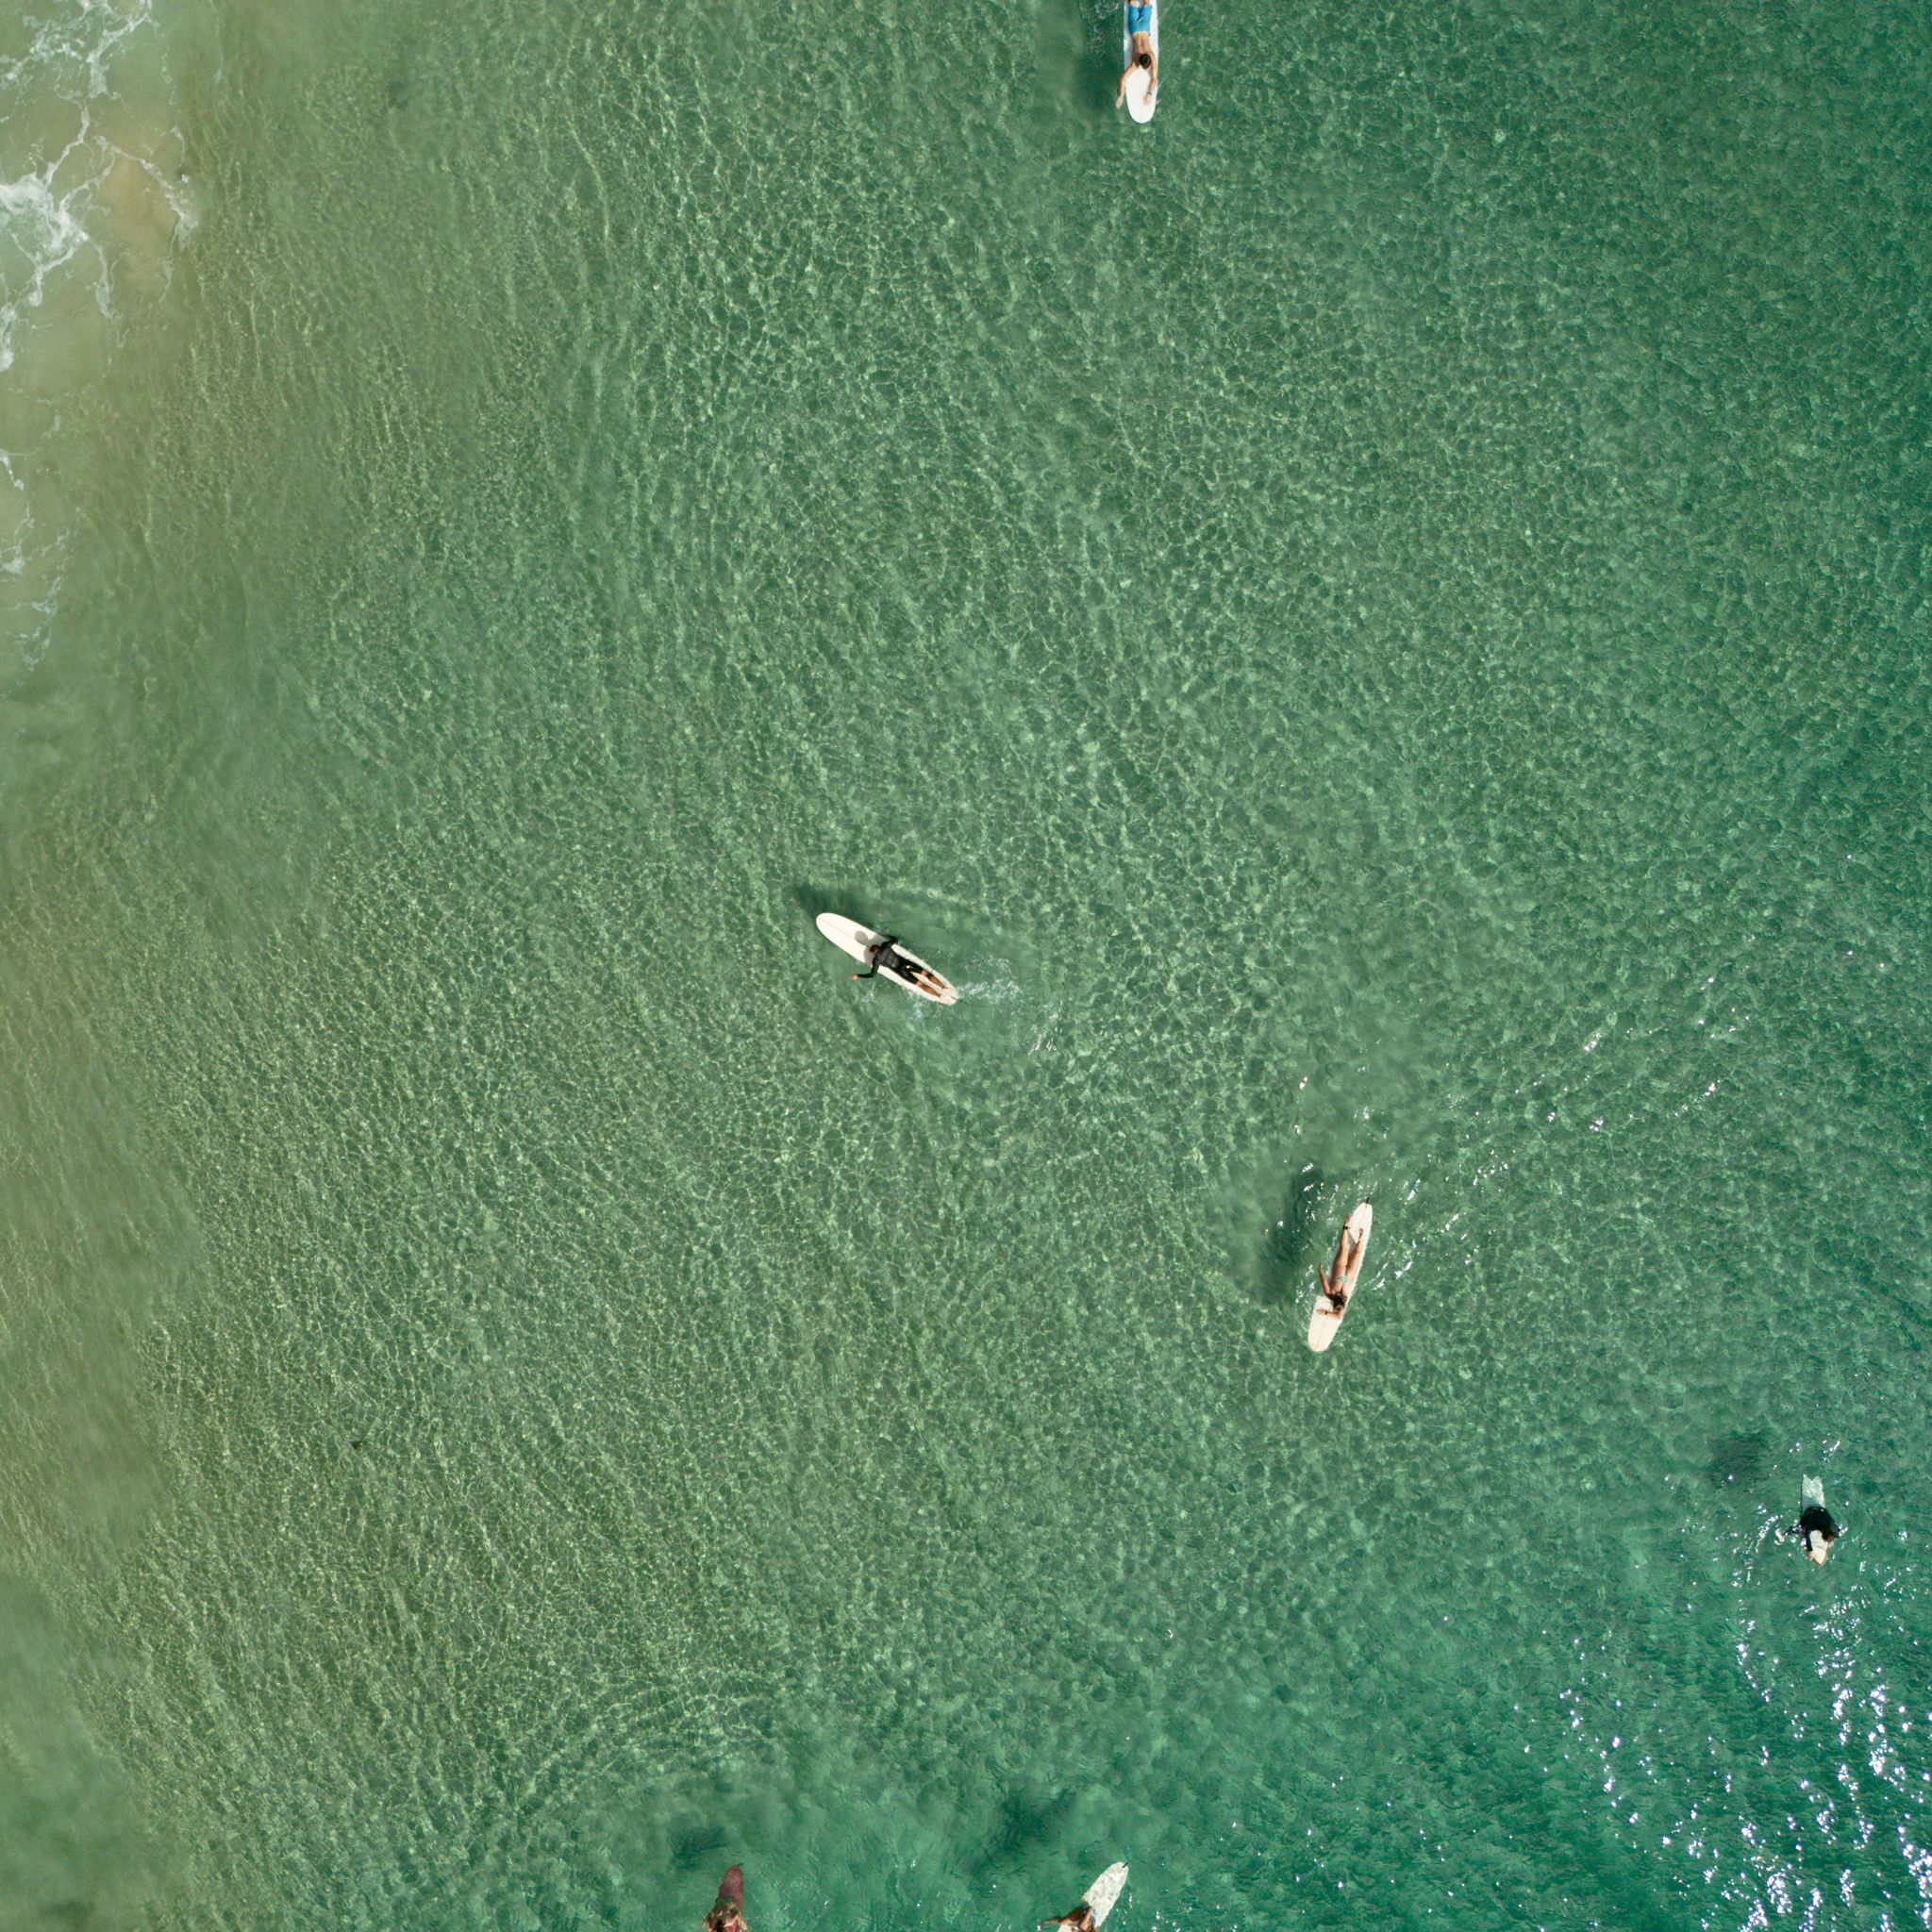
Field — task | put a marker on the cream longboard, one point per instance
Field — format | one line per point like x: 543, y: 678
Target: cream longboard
x: 1323, y: 1323
x: 850, y: 937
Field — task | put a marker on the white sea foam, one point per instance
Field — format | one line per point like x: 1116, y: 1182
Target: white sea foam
x: 38, y: 236
x: 94, y: 209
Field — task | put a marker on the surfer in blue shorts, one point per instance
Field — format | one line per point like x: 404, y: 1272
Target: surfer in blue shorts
x: 1140, y: 28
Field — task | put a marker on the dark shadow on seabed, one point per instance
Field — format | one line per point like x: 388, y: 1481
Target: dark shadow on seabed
x: 1287, y: 1250
x: 1027, y: 1817
x: 1742, y: 1457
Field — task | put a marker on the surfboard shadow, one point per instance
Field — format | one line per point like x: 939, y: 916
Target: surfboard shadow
x: 698, y: 1847
x: 1079, y: 41
x: 812, y: 900
x: 1287, y: 1252
x: 1022, y: 1820
x: 1743, y: 1457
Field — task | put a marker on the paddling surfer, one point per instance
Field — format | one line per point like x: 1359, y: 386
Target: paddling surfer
x: 1139, y: 51
x: 1817, y: 1531
x: 886, y: 954
x: 1079, y: 1919
x: 727, y: 1913
x: 1335, y: 1283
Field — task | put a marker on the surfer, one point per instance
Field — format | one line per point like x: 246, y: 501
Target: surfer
x: 1080, y: 1919
x: 728, y: 1914
x: 1335, y: 1283
x: 886, y: 954
x: 1817, y: 1531
x: 1141, y: 52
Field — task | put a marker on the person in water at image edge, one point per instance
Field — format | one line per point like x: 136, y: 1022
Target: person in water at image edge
x: 1141, y: 26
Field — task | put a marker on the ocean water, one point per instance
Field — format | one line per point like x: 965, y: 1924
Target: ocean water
x: 1378, y: 627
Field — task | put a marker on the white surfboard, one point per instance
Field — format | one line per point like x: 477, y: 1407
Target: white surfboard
x: 1324, y: 1321
x: 850, y: 937
x: 1105, y: 1890
x: 1141, y: 99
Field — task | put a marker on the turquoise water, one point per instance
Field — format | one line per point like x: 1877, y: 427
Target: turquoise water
x: 1377, y: 627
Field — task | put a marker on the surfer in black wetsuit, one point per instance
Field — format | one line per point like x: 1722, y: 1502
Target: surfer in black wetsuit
x: 728, y: 1914
x: 1817, y: 1531
x: 886, y: 954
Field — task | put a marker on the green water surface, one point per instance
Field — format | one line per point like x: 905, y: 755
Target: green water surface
x: 1378, y: 627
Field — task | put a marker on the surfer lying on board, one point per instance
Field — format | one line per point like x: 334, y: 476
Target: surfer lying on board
x: 887, y: 954
x: 1139, y: 24
x: 1817, y: 1531
x: 728, y: 1914
x: 1079, y: 1919
x: 1335, y: 1283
